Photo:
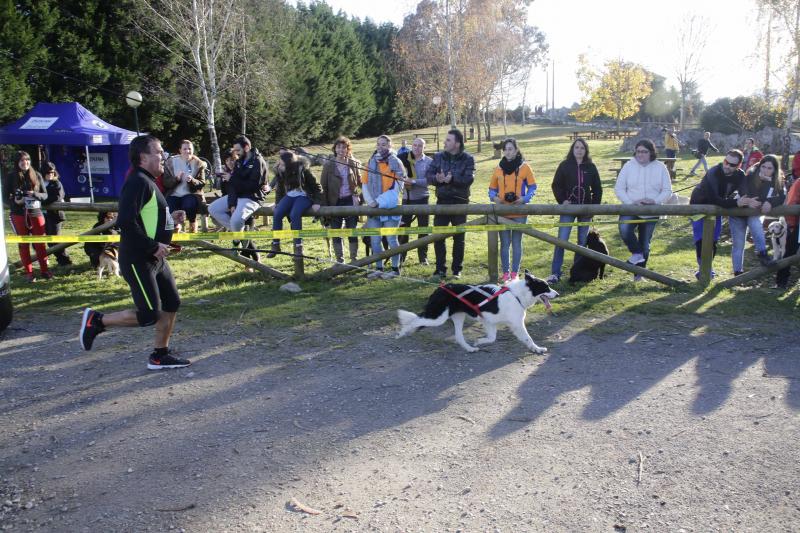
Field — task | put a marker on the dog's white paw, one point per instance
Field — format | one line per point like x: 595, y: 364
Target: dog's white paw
x: 538, y: 349
x: 483, y: 340
x: 471, y: 349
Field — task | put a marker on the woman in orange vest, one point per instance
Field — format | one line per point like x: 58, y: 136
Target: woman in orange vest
x: 512, y: 183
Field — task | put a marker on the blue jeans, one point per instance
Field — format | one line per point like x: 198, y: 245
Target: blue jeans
x: 563, y: 234
x: 375, y: 240
x: 697, y: 235
x: 186, y: 203
x: 511, y: 239
x: 700, y: 161
x: 739, y: 227
x: 293, y: 207
x: 637, y: 244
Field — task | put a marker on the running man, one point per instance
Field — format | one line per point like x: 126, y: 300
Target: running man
x: 145, y: 226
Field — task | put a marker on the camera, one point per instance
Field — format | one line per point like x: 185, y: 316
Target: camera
x: 510, y: 197
x: 19, y: 194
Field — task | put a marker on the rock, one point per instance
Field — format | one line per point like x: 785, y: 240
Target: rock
x: 291, y: 287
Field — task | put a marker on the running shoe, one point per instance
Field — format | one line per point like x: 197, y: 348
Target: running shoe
x: 166, y: 361
x: 91, y: 327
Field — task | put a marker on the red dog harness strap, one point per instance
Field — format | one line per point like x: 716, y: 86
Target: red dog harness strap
x: 476, y: 308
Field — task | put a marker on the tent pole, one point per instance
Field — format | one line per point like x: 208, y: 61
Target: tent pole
x: 89, y: 168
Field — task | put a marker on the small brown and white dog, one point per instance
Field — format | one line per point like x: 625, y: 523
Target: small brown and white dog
x: 777, y: 232
x: 108, y: 261
x: 508, y: 307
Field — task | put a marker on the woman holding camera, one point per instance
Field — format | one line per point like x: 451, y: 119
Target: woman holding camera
x: 25, y: 192
x: 512, y: 183
x: 184, y: 179
x: 576, y: 181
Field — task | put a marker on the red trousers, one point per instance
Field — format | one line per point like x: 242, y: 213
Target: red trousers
x: 21, y: 224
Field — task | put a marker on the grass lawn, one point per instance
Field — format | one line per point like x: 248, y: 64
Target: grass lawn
x: 216, y: 289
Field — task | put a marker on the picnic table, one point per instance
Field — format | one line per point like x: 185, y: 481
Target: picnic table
x: 600, y: 134
x: 668, y: 161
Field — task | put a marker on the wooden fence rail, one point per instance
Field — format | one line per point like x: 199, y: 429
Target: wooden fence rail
x: 490, y: 214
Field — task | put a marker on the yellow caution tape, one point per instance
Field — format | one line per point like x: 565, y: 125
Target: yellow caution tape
x: 314, y: 233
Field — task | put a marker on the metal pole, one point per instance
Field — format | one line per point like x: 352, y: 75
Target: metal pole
x: 136, y: 120
x: 89, y: 169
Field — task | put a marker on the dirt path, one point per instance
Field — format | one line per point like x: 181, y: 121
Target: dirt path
x: 402, y: 435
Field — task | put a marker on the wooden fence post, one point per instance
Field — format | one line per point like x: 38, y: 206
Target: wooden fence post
x: 492, y: 256
x: 707, y: 250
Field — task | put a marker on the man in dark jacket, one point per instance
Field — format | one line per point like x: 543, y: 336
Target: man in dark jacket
x: 703, y: 146
x: 452, y: 173
x: 724, y: 185
x: 246, y: 188
x: 146, y: 226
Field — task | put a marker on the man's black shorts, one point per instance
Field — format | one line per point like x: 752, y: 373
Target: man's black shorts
x: 153, y: 289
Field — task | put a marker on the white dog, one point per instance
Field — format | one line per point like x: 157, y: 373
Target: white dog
x: 777, y: 232
x: 492, y: 305
x: 108, y: 261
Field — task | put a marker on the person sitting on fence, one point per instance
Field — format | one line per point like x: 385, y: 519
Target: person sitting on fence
x: 341, y: 185
x: 763, y: 182
x: 382, y: 185
x: 54, y: 220
x: 576, y: 181
x: 703, y: 146
x: 246, y: 188
x: 512, y: 183
x: 415, y: 193
x: 642, y: 181
x: 720, y: 186
x: 296, y: 189
x: 228, y: 165
x: 792, y: 198
x: 452, y: 172
x: 24, y: 191
x: 93, y: 250
x: 183, y: 180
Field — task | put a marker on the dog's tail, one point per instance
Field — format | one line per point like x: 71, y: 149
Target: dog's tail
x: 410, y: 322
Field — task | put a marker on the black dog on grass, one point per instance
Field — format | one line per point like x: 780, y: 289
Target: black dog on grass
x: 585, y: 269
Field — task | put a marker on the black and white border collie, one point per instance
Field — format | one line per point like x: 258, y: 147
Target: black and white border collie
x: 508, y: 308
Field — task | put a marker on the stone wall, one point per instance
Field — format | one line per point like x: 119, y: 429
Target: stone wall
x: 769, y: 140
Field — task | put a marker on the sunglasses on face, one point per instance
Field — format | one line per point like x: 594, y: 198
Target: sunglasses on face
x: 726, y: 162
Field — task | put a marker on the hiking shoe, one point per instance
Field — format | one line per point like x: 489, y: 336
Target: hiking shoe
x: 553, y: 278
x: 514, y: 276
x: 91, y: 327
x: 457, y: 275
x: 765, y: 259
x: 30, y: 278
x: 505, y: 277
x: 47, y: 275
x: 165, y: 362
x: 393, y: 273
x: 635, y: 259
x: 375, y: 274
x: 438, y: 274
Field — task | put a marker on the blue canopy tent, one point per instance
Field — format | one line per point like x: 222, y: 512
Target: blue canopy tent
x: 90, y: 154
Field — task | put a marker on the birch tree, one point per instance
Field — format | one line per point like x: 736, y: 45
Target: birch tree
x: 206, y: 37
x: 692, y: 39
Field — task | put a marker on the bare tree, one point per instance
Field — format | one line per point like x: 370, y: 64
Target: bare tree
x: 786, y: 13
x: 692, y: 39
x: 206, y: 37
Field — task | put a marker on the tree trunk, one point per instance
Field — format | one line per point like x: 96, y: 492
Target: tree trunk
x: 787, y: 135
x: 448, y: 51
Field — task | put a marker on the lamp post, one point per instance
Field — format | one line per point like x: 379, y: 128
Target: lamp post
x: 436, y: 101
x: 134, y: 100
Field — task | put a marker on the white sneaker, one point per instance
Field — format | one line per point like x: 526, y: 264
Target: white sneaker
x: 552, y: 278
x: 390, y: 275
x: 635, y: 259
x: 375, y: 274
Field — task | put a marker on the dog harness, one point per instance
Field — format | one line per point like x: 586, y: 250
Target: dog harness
x: 488, y: 297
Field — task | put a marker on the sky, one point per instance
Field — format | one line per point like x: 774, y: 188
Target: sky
x: 642, y: 32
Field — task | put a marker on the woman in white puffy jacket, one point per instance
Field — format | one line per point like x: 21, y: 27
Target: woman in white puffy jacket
x: 642, y: 181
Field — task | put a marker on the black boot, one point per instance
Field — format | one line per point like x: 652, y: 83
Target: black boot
x: 276, y: 247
